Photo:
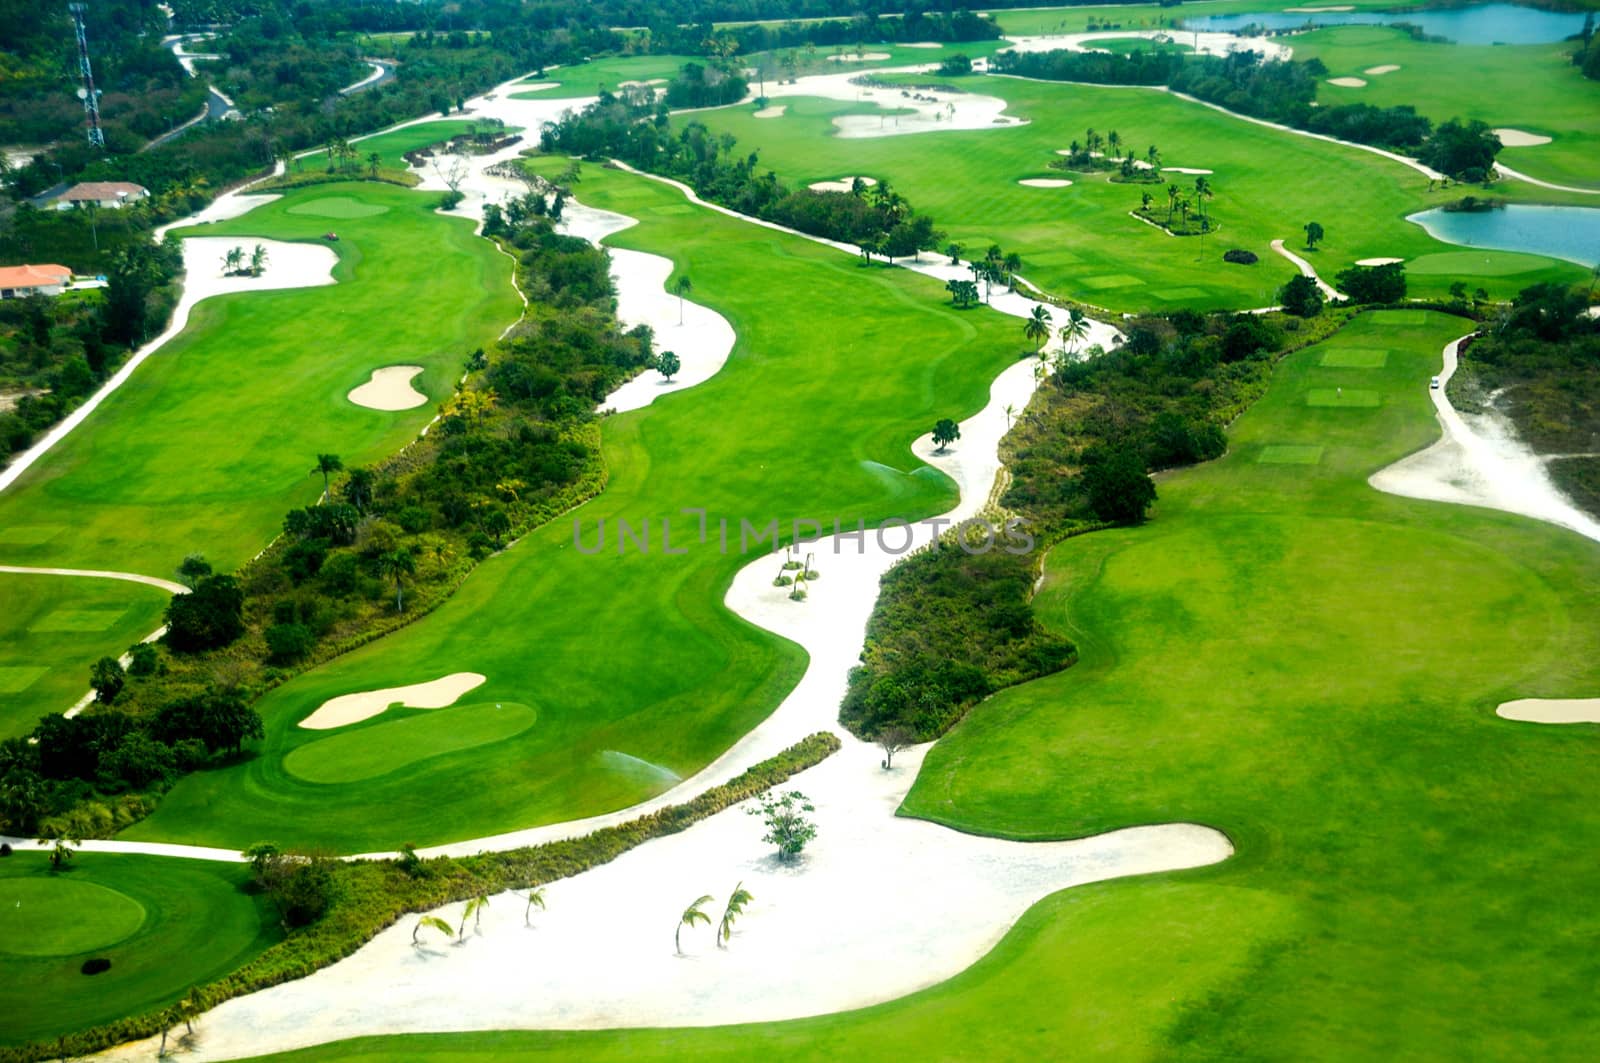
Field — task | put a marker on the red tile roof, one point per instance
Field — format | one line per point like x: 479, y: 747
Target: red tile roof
x: 33, y: 276
x: 98, y: 190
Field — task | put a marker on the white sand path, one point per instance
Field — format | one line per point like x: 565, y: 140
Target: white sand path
x: 352, y: 708
x: 1481, y: 462
x: 1328, y: 291
x: 389, y: 388
x: 1518, y: 175
x: 289, y: 265
x: 378, y: 70
x: 1551, y: 710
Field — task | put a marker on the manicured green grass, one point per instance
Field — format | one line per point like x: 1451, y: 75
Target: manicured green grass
x: 395, y: 745
x: 1531, y: 87
x: 1034, y: 21
x: 1267, y: 185
x: 52, y: 628
x: 587, y: 79
x: 164, y: 924
x: 1311, y: 666
x: 626, y: 653
x: 199, y: 451
x: 1355, y: 358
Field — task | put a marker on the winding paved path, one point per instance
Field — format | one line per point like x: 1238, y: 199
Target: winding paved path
x: 1307, y: 270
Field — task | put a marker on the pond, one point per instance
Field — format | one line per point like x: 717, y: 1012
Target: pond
x: 1570, y: 233
x: 1480, y: 24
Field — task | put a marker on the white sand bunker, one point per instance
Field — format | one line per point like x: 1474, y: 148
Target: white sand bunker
x: 1516, y: 138
x: 1186, y: 169
x: 1348, y: 83
x: 1315, y: 10
x: 1379, y: 71
x: 1552, y: 710
x: 923, y: 44
x: 389, y: 389
x: 1044, y: 182
x: 775, y: 111
x: 353, y: 708
x: 843, y: 184
x: 865, y: 57
x: 1377, y: 261
x: 642, y: 84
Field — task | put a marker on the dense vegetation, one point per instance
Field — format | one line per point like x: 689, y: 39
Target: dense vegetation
x: 1283, y: 92
x: 512, y: 448
x: 330, y: 907
x: 1539, y: 362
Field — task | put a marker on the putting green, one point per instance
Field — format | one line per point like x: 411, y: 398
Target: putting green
x: 338, y: 207
x: 1471, y: 264
x: 369, y: 752
x: 1342, y: 397
x: 1289, y: 454
x: 1355, y: 358
x: 61, y: 916
x: 78, y: 620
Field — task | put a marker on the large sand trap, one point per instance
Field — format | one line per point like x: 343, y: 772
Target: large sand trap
x: 1192, y: 170
x: 1516, y: 138
x: 1552, y: 710
x: 865, y: 57
x: 641, y: 84
x: 1379, y: 71
x: 353, y: 708
x: 923, y: 44
x: 843, y: 184
x: 1205, y: 42
x: 389, y: 389
x: 1348, y: 83
x: 1377, y: 261
x: 1044, y: 182
x: 1316, y: 10
x: 775, y: 111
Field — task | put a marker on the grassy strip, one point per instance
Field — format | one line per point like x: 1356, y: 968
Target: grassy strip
x: 373, y: 894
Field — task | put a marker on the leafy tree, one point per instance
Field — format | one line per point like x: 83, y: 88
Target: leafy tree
x: 263, y: 857
x: 787, y: 825
x: 210, y: 616
x: 107, y: 679
x: 691, y: 915
x: 893, y: 739
x: 668, y: 364
x: 734, y: 908
x: 359, y: 489
x: 1301, y: 296
x: 327, y: 465
x: 1374, y: 284
x: 219, y: 719
x: 945, y: 433
x: 962, y: 293
x: 138, y: 761
x: 192, y: 569
x: 61, y: 851
x: 1465, y: 151
x: 1118, y: 488
x: 954, y: 251
x: 1314, y: 234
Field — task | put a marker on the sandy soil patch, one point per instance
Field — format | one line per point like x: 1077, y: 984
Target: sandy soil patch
x: 353, y: 708
x: 1379, y: 71
x: 843, y: 184
x: 1516, y: 138
x: 923, y: 44
x: 1348, y: 83
x: 1204, y: 43
x: 1377, y: 261
x: 642, y: 84
x: 1315, y: 10
x: 866, y: 57
x: 389, y: 389
x: 537, y: 86
x: 1192, y: 170
x: 1552, y: 710
x: 1044, y: 182
x: 775, y: 111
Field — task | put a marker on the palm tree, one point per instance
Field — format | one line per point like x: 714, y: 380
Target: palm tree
x: 473, y: 911
x: 535, y: 896
x: 232, y: 261
x: 1202, y: 192
x: 1144, y: 202
x: 682, y: 287
x: 1076, y: 328
x: 327, y: 465
x: 1183, y: 211
x: 398, y: 565
x: 734, y: 909
x: 1011, y: 411
x: 431, y: 922
x: 1013, y: 265
x: 691, y: 915
x: 1153, y: 157
x: 1037, y: 327
x: 1172, y: 201
x: 1113, y: 142
x: 372, y: 163
x: 258, y: 260
x: 954, y: 251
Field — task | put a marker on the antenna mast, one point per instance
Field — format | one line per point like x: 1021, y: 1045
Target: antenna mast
x: 90, y: 97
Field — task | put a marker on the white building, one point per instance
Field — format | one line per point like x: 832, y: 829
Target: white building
x: 19, y: 281
x: 110, y: 194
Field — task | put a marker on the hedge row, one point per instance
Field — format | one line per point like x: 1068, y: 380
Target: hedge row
x: 371, y: 895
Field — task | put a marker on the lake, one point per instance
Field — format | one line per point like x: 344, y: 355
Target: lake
x: 1481, y: 24
x: 1570, y: 233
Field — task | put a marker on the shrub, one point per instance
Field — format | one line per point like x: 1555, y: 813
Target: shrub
x: 210, y: 616
x: 97, y: 965
x: 289, y: 642
x: 144, y: 660
x: 1240, y: 257
x: 5, y: 849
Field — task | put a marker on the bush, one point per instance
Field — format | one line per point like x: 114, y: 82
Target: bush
x: 1301, y: 296
x: 97, y: 965
x: 289, y: 642
x: 144, y: 660
x: 5, y: 849
x: 1374, y: 284
x: 208, y: 617
x: 1240, y: 257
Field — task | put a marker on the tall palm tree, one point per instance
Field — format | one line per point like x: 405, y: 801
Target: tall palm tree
x: 327, y: 465
x: 1153, y: 157
x: 1037, y: 327
x: 734, y: 909
x: 1013, y: 264
x: 682, y: 287
x: 1076, y: 328
x: 1183, y: 211
x: 1202, y: 192
x: 1145, y: 199
x: 1172, y: 201
x: 1011, y: 411
x: 535, y: 896
x: 691, y: 915
x: 397, y: 565
x: 372, y: 163
x: 1113, y: 142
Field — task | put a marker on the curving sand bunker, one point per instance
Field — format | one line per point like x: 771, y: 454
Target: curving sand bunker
x: 1317, y: 10
x: 1044, y: 182
x: 1377, y: 261
x: 1516, y: 138
x: 843, y: 184
x: 1552, y: 710
x: 866, y: 57
x: 353, y: 708
x: 1379, y: 71
x: 775, y: 111
x: 1186, y: 169
x: 389, y: 389
x: 1348, y: 83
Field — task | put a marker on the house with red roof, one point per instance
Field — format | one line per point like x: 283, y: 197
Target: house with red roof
x: 110, y: 194
x: 48, y: 279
